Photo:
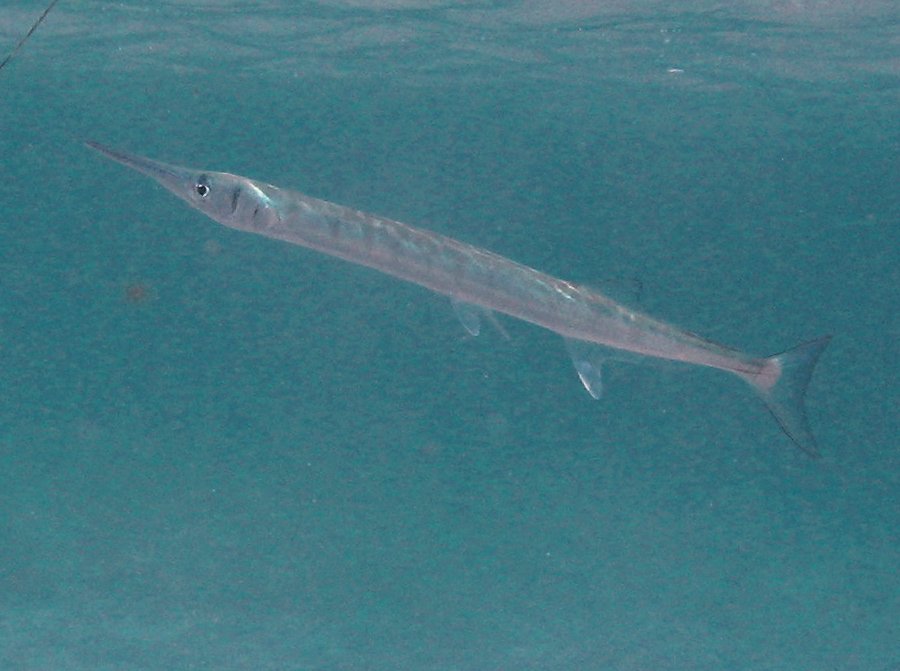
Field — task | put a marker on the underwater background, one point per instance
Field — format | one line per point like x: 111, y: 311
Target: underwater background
x: 218, y: 451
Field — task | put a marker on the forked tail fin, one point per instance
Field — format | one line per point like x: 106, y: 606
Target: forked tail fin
x: 782, y: 385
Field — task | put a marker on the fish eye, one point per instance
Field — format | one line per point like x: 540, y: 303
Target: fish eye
x: 201, y: 187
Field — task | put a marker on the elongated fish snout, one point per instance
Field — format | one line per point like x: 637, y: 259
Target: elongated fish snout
x: 176, y: 179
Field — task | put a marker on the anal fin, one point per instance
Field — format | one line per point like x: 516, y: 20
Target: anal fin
x: 588, y: 360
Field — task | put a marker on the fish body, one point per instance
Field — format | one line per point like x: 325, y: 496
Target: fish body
x: 594, y: 326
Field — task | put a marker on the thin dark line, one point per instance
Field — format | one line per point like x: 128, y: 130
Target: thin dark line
x: 28, y: 34
x: 235, y: 194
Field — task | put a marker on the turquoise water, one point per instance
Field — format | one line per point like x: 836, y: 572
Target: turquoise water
x: 222, y: 452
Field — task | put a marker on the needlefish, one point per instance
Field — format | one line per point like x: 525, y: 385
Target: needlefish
x: 480, y: 283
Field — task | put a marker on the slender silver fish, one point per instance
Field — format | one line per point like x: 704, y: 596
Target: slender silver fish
x: 479, y: 282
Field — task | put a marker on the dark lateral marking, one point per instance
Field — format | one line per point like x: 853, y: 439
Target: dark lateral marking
x: 235, y: 194
x: 28, y: 34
